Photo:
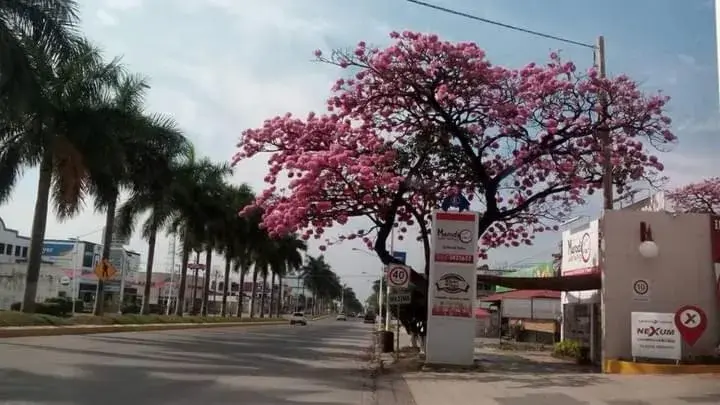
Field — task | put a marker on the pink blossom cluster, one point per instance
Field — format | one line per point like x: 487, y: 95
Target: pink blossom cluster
x: 701, y: 198
x: 423, y: 115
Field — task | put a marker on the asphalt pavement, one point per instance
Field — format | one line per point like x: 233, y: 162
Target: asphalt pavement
x: 316, y: 364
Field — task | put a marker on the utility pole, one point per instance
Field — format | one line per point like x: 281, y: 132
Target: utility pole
x: 603, y: 132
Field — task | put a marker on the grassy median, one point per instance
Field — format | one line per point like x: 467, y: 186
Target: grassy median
x: 15, y: 318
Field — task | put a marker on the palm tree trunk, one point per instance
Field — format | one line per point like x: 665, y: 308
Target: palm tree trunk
x: 226, y: 285
x: 195, y: 283
x: 281, y: 299
x: 206, y: 286
x: 241, y: 293
x: 32, y: 275
x: 148, y: 274
x: 107, y: 244
x: 264, y: 295
x: 180, y: 304
x: 254, y: 291
x: 273, y: 301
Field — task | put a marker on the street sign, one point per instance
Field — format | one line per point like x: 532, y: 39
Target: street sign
x: 402, y: 298
x: 400, y: 255
x: 641, y: 290
x: 398, y: 276
x: 105, y: 270
x: 691, y: 322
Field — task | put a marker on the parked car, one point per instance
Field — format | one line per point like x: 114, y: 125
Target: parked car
x: 369, y: 318
x: 341, y: 317
x: 298, y: 318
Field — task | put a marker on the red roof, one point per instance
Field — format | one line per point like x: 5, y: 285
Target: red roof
x: 481, y: 313
x: 522, y: 294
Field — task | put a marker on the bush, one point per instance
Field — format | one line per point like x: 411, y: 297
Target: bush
x: 16, y: 306
x: 568, y: 349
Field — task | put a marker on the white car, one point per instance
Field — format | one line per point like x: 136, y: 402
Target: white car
x: 298, y: 318
x: 341, y: 317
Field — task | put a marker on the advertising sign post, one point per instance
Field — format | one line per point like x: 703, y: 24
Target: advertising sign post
x: 452, y: 288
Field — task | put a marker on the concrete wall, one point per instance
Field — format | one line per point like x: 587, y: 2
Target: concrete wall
x: 12, y: 283
x: 681, y: 275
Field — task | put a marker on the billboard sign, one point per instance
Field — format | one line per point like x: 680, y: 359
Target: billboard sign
x: 59, y: 252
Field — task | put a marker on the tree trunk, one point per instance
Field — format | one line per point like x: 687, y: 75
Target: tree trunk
x: 281, y: 299
x: 254, y: 291
x: 148, y: 274
x: 273, y: 301
x: 32, y: 274
x: 226, y: 285
x: 241, y: 294
x: 263, y: 296
x: 195, y: 283
x: 107, y: 244
x: 180, y: 304
x: 206, y: 286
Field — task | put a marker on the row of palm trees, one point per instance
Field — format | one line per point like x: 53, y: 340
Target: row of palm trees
x: 319, y: 278
x: 81, y: 120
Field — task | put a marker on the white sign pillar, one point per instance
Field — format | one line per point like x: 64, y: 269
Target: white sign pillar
x: 452, y: 288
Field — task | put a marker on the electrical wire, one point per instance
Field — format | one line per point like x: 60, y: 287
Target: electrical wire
x: 501, y: 24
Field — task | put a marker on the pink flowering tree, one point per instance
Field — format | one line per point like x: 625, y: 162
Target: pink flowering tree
x: 421, y: 118
x: 701, y: 198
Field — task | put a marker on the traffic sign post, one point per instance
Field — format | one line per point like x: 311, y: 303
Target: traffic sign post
x: 105, y: 270
x: 691, y: 322
x: 398, y: 276
x: 400, y: 298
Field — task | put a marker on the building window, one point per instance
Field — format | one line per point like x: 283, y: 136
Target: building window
x: 2, y: 248
x: 8, y: 249
x: 17, y: 250
x: 24, y: 251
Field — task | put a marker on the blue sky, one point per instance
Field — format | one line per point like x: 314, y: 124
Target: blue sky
x: 220, y: 66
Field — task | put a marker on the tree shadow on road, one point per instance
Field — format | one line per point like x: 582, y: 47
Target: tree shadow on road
x: 218, y: 367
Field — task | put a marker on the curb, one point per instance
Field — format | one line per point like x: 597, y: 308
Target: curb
x: 612, y: 366
x: 30, y: 331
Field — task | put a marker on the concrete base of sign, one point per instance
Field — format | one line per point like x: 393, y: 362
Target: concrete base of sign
x: 633, y: 368
x: 450, y: 342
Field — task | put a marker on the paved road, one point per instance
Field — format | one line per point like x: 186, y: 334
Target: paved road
x: 280, y: 365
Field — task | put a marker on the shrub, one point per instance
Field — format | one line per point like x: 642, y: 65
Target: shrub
x: 16, y: 306
x: 568, y: 349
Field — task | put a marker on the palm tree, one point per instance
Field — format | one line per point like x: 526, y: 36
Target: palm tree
x: 321, y: 281
x: 234, y: 233
x: 289, y: 250
x: 193, y: 192
x: 153, y: 196
x: 63, y: 137
x: 51, y: 26
x: 132, y: 152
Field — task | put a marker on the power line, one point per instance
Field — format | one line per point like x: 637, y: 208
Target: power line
x: 501, y: 24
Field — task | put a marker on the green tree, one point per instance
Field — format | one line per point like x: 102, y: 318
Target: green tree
x: 62, y: 137
x: 136, y: 148
x: 49, y: 25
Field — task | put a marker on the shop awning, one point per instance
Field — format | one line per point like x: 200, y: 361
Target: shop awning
x: 522, y: 294
x: 582, y: 282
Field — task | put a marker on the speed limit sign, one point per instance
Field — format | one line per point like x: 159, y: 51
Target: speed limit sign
x: 398, y: 276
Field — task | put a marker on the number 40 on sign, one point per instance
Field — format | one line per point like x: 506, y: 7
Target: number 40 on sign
x: 398, y: 276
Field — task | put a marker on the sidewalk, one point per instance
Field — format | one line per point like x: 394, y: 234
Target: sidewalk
x: 535, y: 378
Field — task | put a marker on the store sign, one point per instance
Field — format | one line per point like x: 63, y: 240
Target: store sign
x: 453, y: 281
x: 655, y: 336
x: 455, y: 237
x: 581, y: 250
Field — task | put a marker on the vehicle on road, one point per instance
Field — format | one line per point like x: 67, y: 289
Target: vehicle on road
x: 298, y: 318
x: 369, y: 318
x: 341, y: 317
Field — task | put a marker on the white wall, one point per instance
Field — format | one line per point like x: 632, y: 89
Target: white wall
x: 12, y: 283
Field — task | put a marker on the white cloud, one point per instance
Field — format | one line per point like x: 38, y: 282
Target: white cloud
x: 106, y: 18
x: 123, y: 5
